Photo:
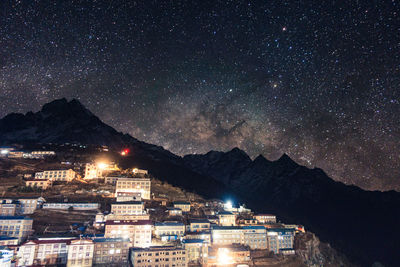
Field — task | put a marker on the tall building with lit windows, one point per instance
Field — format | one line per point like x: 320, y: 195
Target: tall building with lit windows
x: 280, y: 239
x: 138, y: 232
x: 134, y: 185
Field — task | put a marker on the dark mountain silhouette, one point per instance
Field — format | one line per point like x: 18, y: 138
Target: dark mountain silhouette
x: 361, y: 224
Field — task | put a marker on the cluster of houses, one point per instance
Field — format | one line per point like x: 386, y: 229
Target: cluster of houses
x: 129, y: 234
x: 11, y: 152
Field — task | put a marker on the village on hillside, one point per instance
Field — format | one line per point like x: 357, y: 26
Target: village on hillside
x: 75, y: 206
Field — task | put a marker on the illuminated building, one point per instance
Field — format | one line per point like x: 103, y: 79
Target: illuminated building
x: 196, y: 250
x: 6, y: 255
x: 139, y: 232
x: 44, y: 251
x: 68, y: 205
x: 56, y: 175
x: 80, y: 253
x: 128, y: 196
x: 9, y: 208
x: 265, y: 218
x: 158, y: 256
x: 206, y: 236
x: 168, y: 231
x: 280, y: 239
x: 16, y: 226
x: 134, y: 185
x: 28, y: 205
x: 183, y: 205
x: 127, y: 208
x: 38, y: 183
x: 199, y: 225
x: 93, y: 171
x: 111, y: 251
x: 226, y: 218
x: 253, y: 236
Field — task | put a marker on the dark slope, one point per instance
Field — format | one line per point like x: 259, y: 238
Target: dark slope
x: 361, y: 224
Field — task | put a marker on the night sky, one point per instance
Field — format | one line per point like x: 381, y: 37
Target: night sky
x: 319, y: 81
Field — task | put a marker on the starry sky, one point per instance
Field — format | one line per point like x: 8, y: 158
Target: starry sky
x: 318, y: 80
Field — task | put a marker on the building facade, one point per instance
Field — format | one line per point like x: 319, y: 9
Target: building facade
x: 280, y: 239
x: 127, y: 208
x: 134, y: 185
x: 158, y: 256
x: 80, y: 253
x: 92, y: 171
x: 138, y: 232
x: 111, y: 251
x: 226, y: 218
x: 183, y: 205
x: 265, y: 218
x: 16, y: 226
x: 56, y: 175
x: 196, y: 250
x: 199, y: 225
x: 38, y: 183
x: 75, y: 206
x: 168, y: 231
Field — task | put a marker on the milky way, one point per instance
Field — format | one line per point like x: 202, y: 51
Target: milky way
x: 320, y: 82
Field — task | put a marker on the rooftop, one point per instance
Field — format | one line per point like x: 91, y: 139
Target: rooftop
x: 191, y: 241
x: 199, y: 221
x: 130, y: 222
x: 15, y: 218
x: 132, y: 202
x: 117, y: 239
x: 169, y: 224
x: 156, y: 248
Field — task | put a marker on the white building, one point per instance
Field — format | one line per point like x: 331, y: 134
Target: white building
x: 75, y: 206
x: 139, y: 232
x: 93, y: 171
x: 80, y: 253
x: 134, y: 185
x: 56, y: 175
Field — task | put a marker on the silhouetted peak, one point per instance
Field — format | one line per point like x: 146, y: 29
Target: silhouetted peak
x: 237, y: 153
x: 286, y: 160
x: 63, y: 107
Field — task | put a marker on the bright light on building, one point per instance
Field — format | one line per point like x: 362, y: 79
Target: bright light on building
x: 4, y: 151
x: 134, y: 170
x: 102, y: 165
x: 228, y: 205
x: 223, y: 257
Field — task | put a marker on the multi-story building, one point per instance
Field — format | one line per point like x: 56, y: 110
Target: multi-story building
x: 199, y: 225
x: 75, y: 206
x: 169, y: 230
x: 93, y: 171
x: 158, y: 256
x: 134, y: 185
x: 265, y: 218
x: 38, y: 183
x: 111, y: 251
x: 131, y: 217
x: 44, y: 153
x: 56, y: 175
x: 255, y: 237
x: 183, y: 205
x: 226, y: 218
x: 196, y: 250
x: 226, y: 235
x: 280, y: 239
x: 138, y: 232
x: 8, y: 241
x: 44, y: 251
x: 16, y: 226
x: 80, y: 253
x: 24, y: 205
x: 9, y: 208
x: 127, y: 208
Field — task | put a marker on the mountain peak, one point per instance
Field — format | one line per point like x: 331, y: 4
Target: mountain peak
x: 63, y: 106
x: 286, y: 160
